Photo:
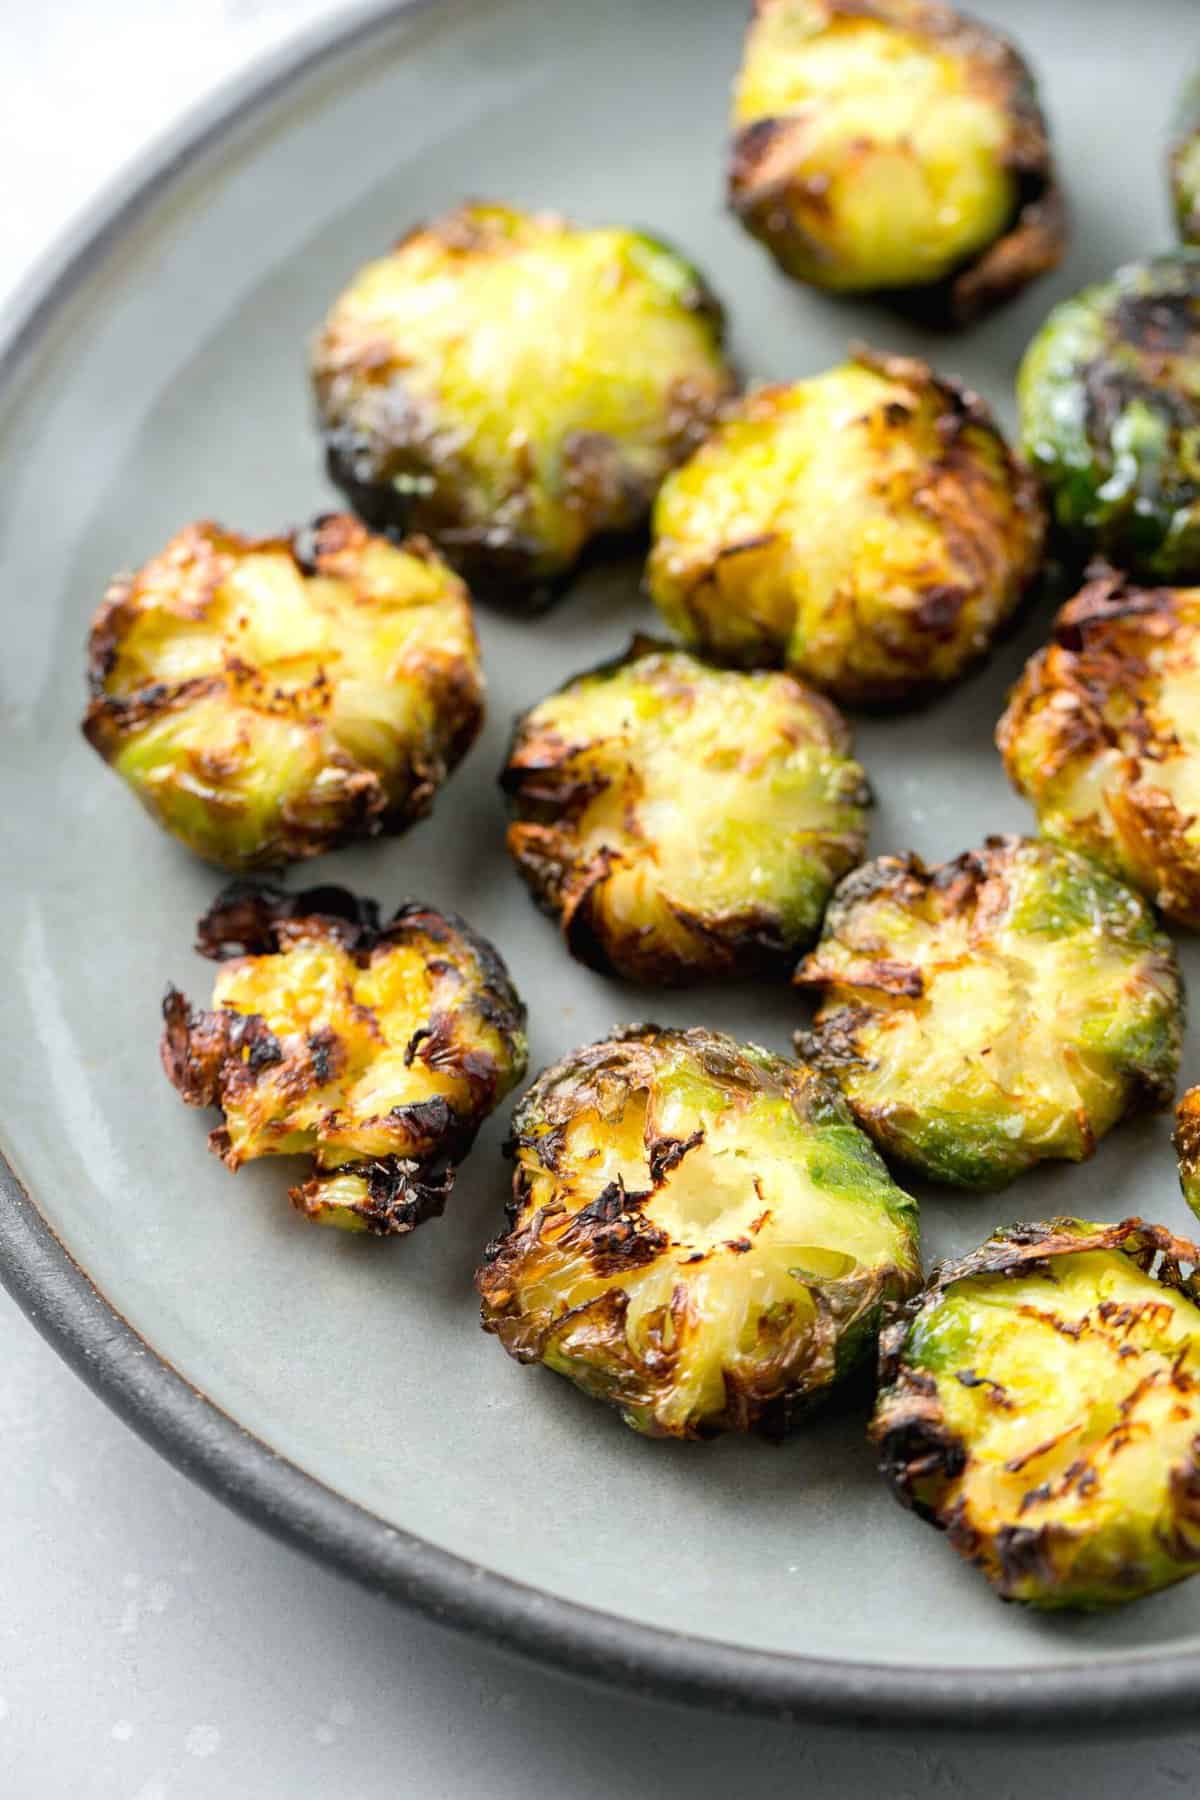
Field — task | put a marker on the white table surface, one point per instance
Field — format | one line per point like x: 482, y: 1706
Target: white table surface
x: 152, y: 1645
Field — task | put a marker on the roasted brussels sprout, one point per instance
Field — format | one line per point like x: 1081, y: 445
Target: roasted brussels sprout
x: 515, y: 386
x: 683, y: 821
x: 893, y: 144
x: 1187, y: 1147
x: 698, y: 1234
x: 1102, y: 735
x: 1185, y: 164
x: 1040, y: 1403
x: 1109, y: 394
x: 868, y: 528
x: 378, y: 1050
x: 986, y: 1013
x: 270, y: 698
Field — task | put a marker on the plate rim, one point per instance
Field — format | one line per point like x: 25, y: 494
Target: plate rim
x: 1136, y: 1692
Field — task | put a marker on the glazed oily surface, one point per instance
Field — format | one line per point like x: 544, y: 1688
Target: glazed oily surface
x: 172, y: 386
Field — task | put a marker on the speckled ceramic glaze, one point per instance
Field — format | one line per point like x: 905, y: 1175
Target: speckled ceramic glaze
x: 161, y: 377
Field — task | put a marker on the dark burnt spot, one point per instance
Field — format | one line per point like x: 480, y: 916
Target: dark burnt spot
x: 1160, y: 322
x: 599, y: 483
x: 1182, y: 1540
x: 969, y: 1378
x: 401, y: 1193
x: 431, y: 1121
x: 608, y: 1205
x: 750, y: 148
x: 327, y: 1056
x: 939, y: 608
x: 418, y: 1037
x: 888, y: 976
x: 1082, y: 1477
x: 833, y: 1044
x: 547, y: 1146
x: 614, y: 1234
x: 479, y: 1069
x: 1109, y: 392
x: 262, y: 1049
x: 194, y: 1049
x: 1023, y: 1555
x: 440, y: 1048
x: 917, y: 1450
x: 1068, y: 1328
x: 905, y: 876
x: 220, y: 1143
x: 258, y: 919
x: 956, y: 1523
x: 666, y: 1153
x: 739, y: 1245
x: 325, y: 538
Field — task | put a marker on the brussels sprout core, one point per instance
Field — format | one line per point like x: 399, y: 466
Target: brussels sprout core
x: 684, y: 821
x: 699, y: 1235
x: 893, y: 144
x: 868, y: 528
x: 987, y: 1013
x: 1040, y: 1403
x: 1102, y: 735
x: 515, y: 386
x: 1109, y: 394
x: 378, y: 1050
x: 268, y: 699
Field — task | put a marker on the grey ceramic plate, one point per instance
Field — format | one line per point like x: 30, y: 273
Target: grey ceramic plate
x: 340, y: 1391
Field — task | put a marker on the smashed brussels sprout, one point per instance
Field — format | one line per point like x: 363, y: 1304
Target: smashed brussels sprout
x: 515, y: 386
x: 682, y: 821
x: 893, y: 144
x: 1185, y: 164
x: 1102, y: 736
x: 268, y: 699
x: 378, y: 1050
x: 868, y: 528
x: 987, y: 1013
x: 1040, y: 1403
x: 1187, y: 1147
x: 699, y: 1234
x: 1109, y: 394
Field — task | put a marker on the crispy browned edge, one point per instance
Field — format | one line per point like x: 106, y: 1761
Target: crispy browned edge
x: 1035, y: 238
x: 748, y: 942
x: 327, y: 546
x: 207, y: 1054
